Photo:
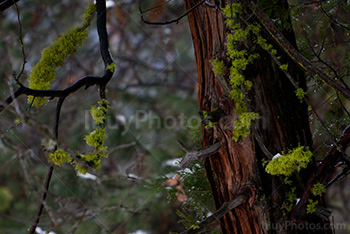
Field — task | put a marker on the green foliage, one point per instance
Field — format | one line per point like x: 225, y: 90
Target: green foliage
x: 300, y: 93
x: 52, y: 57
x: 318, y: 189
x: 59, y: 156
x: 311, y: 206
x: 5, y: 198
x: 296, y: 159
x: 187, y: 220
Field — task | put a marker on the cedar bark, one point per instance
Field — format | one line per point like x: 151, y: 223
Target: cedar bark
x: 283, y: 125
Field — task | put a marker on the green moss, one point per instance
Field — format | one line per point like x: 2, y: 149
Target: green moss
x: 284, y: 67
x: 44, y: 72
x: 232, y: 11
x: 291, y: 199
x: 300, y: 93
x: 89, y: 14
x: 80, y: 169
x: 111, y: 67
x: 311, y: 207
x: 296, y: 159
x: 99, y: 113
x: 58, y: 157
x: 218, y: 67
x: 241, y: 126
x: 318, y: 189
x: 96, y: 138
x: 240, y: 59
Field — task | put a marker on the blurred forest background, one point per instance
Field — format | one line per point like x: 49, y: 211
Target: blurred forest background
x: 153, y: 98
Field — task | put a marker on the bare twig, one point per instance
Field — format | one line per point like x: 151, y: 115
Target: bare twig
x: 43, y: 198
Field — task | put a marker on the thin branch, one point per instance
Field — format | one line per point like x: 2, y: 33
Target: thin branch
x: 192, y: 155
x: 43, y: 198
x: 20, y: 38
x: 174, y: 20
x: 224, y: 209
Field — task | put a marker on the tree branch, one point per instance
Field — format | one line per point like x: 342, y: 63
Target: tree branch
x: 226, y: 207
x: 293, y: 53
x: 192, y: 155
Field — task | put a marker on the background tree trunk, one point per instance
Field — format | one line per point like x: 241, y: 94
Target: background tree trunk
x: 283, y: 125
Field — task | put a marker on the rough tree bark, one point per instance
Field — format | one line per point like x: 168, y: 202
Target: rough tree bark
x: 283, y: 125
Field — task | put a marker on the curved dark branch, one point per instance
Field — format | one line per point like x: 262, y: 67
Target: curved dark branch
x: 7, y: 4
x: 85, y: 81
x: 102, y: 33
x: 174, y: 20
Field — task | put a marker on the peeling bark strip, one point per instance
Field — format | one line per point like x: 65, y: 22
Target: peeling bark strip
x: 293, y: 53
x: 323, y: 174
x: 197, y: 154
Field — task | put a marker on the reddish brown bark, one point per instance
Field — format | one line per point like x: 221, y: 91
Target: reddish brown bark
x: 283, y: 125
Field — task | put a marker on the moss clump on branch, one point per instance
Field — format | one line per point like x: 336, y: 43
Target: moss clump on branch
x: 318, y: 189
x: 43, y: 73
x: 59, y: 156
x: 294, y: 160
x: 311, y: 206
x: 95, y: 139
x: 111, y: 67
x: 99, y: 113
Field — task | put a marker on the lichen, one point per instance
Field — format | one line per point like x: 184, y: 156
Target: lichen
x: 80, y: 169
x: 218, y: 67
x: 241, y: 126
x: 89, y: 14
x: 294, y: 160
x: 318, y: 189
x: 52, y: 57
x: 240, y: 59
x: 311, y: 206
x: 96, y: 138
x: 284, y: 67
x: 300, y: 93
x: 291, y: 199
x: 59, y: 156
x: 111, y: 67
x: 99, y: 113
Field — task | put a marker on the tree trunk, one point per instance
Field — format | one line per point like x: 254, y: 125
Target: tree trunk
x: 283, y: 125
